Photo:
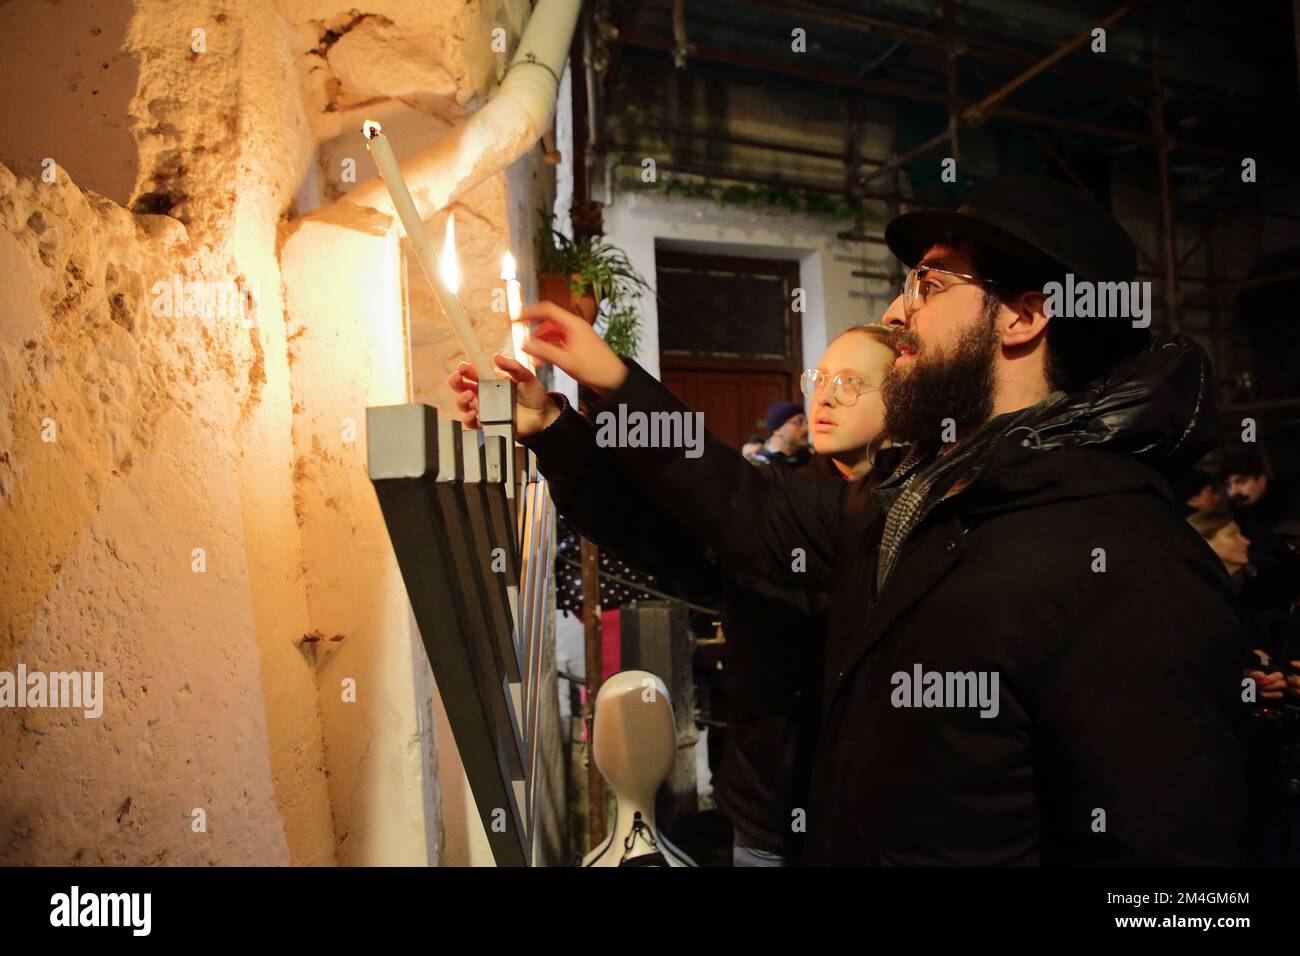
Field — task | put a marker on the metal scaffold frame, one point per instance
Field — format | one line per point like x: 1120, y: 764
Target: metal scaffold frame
x: 1152, y: 93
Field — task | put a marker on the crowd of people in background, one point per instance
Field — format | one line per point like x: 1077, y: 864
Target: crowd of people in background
x: 787, y: 441
x: 1252, y: 523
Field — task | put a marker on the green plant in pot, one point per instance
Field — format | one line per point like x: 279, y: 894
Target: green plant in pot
x: 594, y: 279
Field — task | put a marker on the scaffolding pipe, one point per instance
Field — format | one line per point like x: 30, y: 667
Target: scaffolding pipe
x: 978, y: 112
x: 929, y: 146
x: 1170, y: 250
x: 910, y: 92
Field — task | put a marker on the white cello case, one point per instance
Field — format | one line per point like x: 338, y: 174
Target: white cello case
x: 634, y: 743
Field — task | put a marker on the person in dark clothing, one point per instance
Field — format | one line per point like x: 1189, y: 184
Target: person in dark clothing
x: 1266, y: 615
x: 1198, y: 491
x: 773, y: 659
x: 1274, y: 728
x: 1258, y: 503
x: 1259, y: 506
x: 787, y: 441
x: 1030, y: 658
x: 1267, y: 632
x: 772, y: 668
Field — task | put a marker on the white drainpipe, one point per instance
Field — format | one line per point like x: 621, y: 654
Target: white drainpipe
x: 492, y: 138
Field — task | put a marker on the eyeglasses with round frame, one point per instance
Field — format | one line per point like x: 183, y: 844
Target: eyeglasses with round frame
x: 847, y: 389
x: 913, y: 295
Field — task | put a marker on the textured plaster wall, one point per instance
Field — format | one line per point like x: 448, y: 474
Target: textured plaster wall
x: 348, y: 352
x: 171, y: 436
x: 215, y: 430
x: 73, y: 76
x: 98, y: 528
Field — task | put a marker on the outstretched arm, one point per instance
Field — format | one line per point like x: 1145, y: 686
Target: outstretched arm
x: 776, y: 537
x: 589, y: 486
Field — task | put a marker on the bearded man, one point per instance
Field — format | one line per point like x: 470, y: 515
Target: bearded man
x: 1030, y: 657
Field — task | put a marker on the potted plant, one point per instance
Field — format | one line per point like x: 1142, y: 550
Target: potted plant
x: 594, y: 279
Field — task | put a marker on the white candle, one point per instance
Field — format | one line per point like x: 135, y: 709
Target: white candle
x: 515, y: 305
x: 382, y: 152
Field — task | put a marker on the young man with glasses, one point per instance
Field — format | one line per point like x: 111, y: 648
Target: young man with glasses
x: 773, y: 659
x: 1028, y: 546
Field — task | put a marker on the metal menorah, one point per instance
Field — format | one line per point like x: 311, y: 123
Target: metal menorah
x: 472, y: 527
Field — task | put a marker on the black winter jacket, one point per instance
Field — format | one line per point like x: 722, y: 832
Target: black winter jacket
x: 1064, y: 570
x: 773, y: 655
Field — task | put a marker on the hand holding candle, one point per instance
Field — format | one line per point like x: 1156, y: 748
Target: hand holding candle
x: 535, y: 410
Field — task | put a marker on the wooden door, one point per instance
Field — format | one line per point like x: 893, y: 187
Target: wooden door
x: 729, y: 341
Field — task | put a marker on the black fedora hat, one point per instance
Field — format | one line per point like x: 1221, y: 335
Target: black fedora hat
x: 1046, y: 226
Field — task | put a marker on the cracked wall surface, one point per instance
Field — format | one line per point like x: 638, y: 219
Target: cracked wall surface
x: 149, y: 539
x: 180, y: 507
x: 100, y: 529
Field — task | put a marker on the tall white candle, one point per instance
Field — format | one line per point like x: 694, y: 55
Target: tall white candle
x: 514, y: 306
x: 382, y: 152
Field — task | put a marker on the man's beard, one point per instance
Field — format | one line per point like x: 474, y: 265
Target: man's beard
x: 957, y: 386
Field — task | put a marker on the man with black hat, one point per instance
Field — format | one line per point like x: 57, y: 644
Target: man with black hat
x: 787, y: 437
x: 1030, y: 657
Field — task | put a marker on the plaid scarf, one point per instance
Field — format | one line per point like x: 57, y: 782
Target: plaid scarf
x: 906, y: 498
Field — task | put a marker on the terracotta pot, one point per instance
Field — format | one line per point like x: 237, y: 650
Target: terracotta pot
x: 555, y: 288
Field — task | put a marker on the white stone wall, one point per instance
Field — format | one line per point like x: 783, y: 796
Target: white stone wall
x: 834, y: 298
x: 187, y: 142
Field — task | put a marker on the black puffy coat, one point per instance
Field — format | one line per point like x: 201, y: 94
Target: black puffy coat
x: 1065, y: 570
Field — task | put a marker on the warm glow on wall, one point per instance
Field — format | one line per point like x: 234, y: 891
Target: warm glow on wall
x: 450, y: 264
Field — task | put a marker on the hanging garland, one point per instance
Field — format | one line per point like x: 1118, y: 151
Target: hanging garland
x: 793, y: 201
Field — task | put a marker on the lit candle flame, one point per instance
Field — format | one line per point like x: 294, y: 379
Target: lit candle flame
x: 450, y: 266
x: 515, y: 305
